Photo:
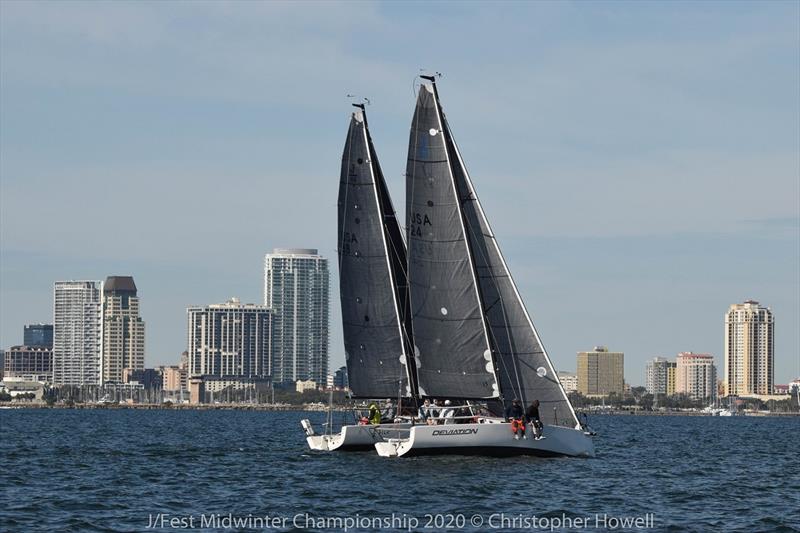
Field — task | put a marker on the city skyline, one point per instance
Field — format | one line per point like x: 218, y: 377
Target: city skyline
x: 666, y: 234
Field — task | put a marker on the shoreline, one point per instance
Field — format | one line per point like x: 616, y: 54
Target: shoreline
x: 339, y: 408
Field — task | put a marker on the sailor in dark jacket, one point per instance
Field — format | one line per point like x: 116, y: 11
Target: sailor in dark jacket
x: 532, y: 416
x: 516, y: 416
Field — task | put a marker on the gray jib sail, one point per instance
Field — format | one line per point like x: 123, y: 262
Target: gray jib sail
x: 373, y: 333
x: 518, y: 351
x: 450, y: 335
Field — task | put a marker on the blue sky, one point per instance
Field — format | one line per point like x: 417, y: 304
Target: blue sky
x: 639, y: 161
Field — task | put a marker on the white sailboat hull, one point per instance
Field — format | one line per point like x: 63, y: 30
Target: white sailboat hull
x: 493, y: 439
x: 355, y: 437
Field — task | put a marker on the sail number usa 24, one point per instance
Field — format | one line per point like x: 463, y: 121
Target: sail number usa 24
x: 417, y: 222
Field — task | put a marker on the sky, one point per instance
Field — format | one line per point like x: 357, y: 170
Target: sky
x: 639, y: 161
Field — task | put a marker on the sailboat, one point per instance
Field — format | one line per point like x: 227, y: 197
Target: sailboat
x: 474, y: 341
x: 373, y: 290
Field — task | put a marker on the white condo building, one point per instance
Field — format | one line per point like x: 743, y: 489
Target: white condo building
x: 77, y: 333
x: 229, y: 340
x: 660, y: 376
x: 749, y: 349
x: 569, y: 381
x: 296, y: 290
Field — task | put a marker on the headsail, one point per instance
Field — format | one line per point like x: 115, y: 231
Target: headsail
x: 518, y: 351
x: 450, y: 335
x: 372, y: 277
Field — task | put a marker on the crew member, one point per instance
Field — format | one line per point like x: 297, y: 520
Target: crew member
x: 532, y: 417
x: 374, y: 414
x: 516, y: 416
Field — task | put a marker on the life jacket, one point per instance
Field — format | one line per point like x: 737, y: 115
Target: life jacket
x: 374, y: 414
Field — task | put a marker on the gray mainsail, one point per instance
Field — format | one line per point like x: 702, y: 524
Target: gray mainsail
x: 451, y: 341
x: 372, y: 277
x: 516, y: 350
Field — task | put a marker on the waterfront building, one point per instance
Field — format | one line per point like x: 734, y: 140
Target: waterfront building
x: 77, y: 332
x: 174, y: 378
x: 38, y: 335
x: 749, y: 349
x: 229, y: 339
x: 601, y: 372
x: 123, y: 329
x: 304, y: 385
x: 660, y: 376
x: 149, y: 378
x: 671, y: 369
x: 29, y: 363
x: 569, y: 381
x: 696, y: 375
x: 340, y: 378
x: 296, y: 290
x: 211, y: 389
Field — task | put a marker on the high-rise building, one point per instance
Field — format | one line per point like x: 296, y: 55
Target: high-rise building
x: 671, y: 369
x: 296, y: 290
x: 29, y: 363
x: 749, y: 349
x: 601, y: 372
x: 174, y: 378
x: 230, y: 339
x: 77, y: 333
x: 660, y: 376
x: 123, y: 329
x: 340, y: 378
x: 38, y: 335
x: 569, y: 381
x: 696, y: 375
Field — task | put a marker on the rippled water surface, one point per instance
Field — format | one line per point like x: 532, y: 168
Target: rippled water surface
x: 110, y: 470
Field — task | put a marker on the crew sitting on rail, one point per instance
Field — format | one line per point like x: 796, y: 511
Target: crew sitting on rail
x: 532, y: 417
x: 374, y: 413
x: 425, y: 411
x: 516, y: 416
x: 388, y: 411
x: 448, y: 413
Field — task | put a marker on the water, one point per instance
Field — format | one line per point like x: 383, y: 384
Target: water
x: 104, y: 470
